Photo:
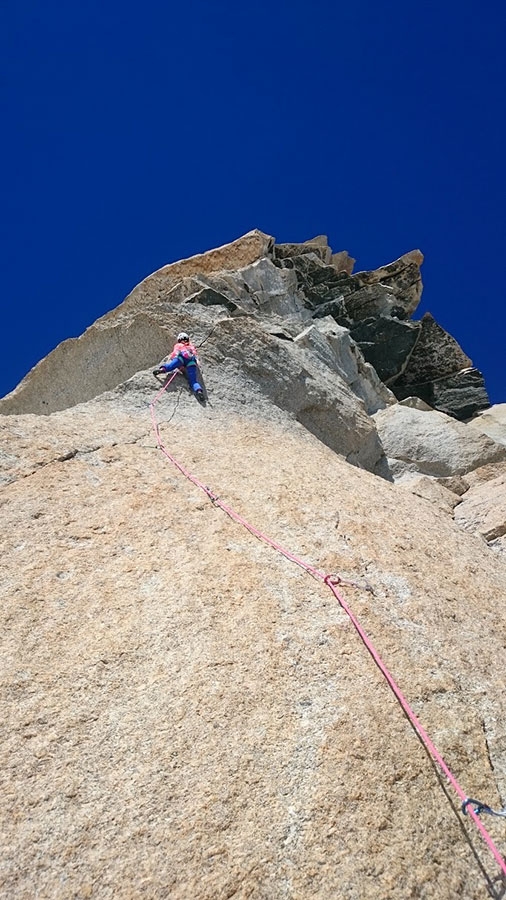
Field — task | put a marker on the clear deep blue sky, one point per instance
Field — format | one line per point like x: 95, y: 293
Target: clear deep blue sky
x: 135, y: 134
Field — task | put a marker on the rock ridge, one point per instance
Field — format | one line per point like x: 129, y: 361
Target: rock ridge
x: 290, y: 283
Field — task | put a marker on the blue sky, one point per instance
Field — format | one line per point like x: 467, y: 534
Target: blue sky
x: 136, y: 134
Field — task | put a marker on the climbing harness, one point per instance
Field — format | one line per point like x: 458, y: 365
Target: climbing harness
x: 332, y: 582
x: 187, y: 358
x: 482, y: 808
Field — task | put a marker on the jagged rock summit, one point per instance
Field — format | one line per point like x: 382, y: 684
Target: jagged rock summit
x: 188, y: 714
x: 288, y: 285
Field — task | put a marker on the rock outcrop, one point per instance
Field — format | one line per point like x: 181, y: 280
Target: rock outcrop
x: 188, y: 714
x: 283, y: 286
x: 402, y: 279
x: 439, y: 372
x: 430, y: 443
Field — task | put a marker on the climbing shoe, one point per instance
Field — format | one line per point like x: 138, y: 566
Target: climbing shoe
x: 158, y: 371
x: 199, y: 395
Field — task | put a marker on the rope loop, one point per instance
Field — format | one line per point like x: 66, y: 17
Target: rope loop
x: 333, y: 579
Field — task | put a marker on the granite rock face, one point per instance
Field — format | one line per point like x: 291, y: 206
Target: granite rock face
x: 330, y: 347
x: 482, y: 509
x: 283, y: 286
x: 239, y: 253
x: 431, y: 489
x: 128, y: 338
x: 387, y: 343
x: 460, y: 395
x: 435, y: 352
x: 402, y: 277
x: 297, y: 381
x: 186, y: 713
x: 440, y: 373
x: 334, y: 346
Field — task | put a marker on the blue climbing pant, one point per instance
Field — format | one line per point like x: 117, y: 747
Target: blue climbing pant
x: 190, y: 370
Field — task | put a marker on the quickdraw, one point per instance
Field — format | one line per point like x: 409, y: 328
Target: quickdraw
x: 338, y: 579
x: 482, y: 808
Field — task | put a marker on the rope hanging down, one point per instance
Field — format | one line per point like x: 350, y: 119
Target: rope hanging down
x: 332, y: 581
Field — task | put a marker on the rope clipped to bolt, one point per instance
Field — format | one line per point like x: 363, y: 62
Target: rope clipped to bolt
x: 480, y: 808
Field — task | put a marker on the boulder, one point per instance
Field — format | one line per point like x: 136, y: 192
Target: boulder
x: 457, y: 484
x: 431, y: 443
x: 485, y: 473
x: 387, y: 344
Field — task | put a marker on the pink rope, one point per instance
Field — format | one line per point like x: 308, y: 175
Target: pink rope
x: 415, y: 722
x: 331, y: 581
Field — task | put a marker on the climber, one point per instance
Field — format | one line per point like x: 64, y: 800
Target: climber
x: 183, y: 357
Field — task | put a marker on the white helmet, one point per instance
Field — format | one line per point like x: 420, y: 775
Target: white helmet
x: 182, y: 336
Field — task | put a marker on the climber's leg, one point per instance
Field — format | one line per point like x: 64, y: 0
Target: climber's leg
x: 171, y: 365
x: 192, y: 376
